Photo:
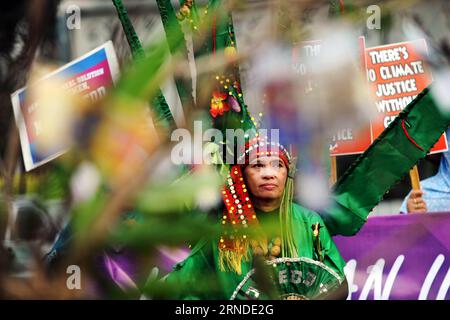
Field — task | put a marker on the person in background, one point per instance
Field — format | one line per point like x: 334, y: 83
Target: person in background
x: 293, y: 240
x: 435, y: 193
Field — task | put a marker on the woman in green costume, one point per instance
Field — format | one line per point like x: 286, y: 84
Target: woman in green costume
x: 267, y: 235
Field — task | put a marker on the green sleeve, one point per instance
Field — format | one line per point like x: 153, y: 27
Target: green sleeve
x: 328, y: 251
x: 194, y: 277
x: 331, y: 255
x: 399, y: 147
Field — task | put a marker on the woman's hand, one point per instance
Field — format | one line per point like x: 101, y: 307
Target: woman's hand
x: 415, y: 202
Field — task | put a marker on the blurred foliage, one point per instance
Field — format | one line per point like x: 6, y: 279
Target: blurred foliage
x: 169, y: 211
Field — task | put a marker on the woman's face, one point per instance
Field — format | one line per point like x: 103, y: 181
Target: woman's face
x: 266, y: 178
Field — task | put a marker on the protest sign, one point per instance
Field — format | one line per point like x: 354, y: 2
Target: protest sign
x: 301, y: 54
x: 90, y: 77
x: 347, y: 141
x: 397, y: 73
x: 350, y: 141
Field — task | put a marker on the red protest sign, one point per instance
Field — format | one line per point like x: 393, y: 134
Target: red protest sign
x: 349, y: 141
x: 397, y: 73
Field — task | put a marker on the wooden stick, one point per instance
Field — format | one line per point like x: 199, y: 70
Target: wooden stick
x: 415, y: 179
x: 333, y: 171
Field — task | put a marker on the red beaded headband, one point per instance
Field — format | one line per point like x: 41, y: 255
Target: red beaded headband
x: 260, y: 146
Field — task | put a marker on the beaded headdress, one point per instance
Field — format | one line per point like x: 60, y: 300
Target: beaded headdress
x: 239, y: 213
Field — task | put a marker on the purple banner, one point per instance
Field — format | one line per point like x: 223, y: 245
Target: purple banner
x: 399, y: 257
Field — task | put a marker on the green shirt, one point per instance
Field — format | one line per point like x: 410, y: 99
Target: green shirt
x: 199, y: 276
